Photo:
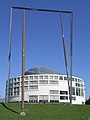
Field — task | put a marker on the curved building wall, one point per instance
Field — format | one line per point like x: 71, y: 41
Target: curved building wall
x: 46, y: 88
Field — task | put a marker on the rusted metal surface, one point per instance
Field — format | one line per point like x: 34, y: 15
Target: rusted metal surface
x: 64, y: 49
x: 71, y: 37
x: 23, y: 57
x: 23, y: 46
x: 9, y: 55
x: 43, y: 10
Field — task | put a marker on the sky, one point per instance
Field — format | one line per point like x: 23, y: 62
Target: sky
x: 43, y: 45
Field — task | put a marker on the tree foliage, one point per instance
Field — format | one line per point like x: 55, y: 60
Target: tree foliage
x: 88, y: 101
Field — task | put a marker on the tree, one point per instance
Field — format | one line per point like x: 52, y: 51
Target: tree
x: 88, y: 101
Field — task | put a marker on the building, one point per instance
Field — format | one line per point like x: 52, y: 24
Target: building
x: 2, y: 100
x: 46, y: 85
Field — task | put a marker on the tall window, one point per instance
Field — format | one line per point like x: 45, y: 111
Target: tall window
x: 78, y: 91
x: 72, y: 79
x: 73, y: 90
x: 82, y: 92
x: 75, y: 79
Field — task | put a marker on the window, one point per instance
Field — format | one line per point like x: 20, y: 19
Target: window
x: 78, y: 80
x: 17, y: 92
x: 25, y: 82
x: 33, y: 87
x: 65, y: 78
x: 73, y: 90
x: 46, y: 77
x: 31, y: 77
x: 10, y: 85
x: 33, y: 82
x: 81, y: 82
x: 40, y: 77
x: 26, y: 78
x: 33, y: 98
x: 10, y: 81
x: 43, y: 97
x: 53, y: 91
x: 43, y: 82
x: 72, y: 79
x: 78, y: 91
x: 82, y: 92
x: 56, y: 77
x: 54, y: 97
x: 18, y: 79
x: 53, y: 82
x: 81, y: 85
x: 10, y: 92
x: 14, y: 93
x: 51, y: 77
x: 14, y: 79
x: 77, y: 84
x: 16, y: 84
x: 64, y: 92
x: 35, y: 77
x: 75, y: 79
x: 63, y: 97
x: 61, y: 78
x: 25, y: 87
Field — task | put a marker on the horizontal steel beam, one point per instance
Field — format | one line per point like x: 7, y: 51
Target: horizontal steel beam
x: 43, y: 10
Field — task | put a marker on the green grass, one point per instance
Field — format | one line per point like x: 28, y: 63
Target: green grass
x: 46, y: 112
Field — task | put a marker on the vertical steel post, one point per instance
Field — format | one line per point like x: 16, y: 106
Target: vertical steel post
x: 64, y: 45
x: 9, y: 55
x: 23, y: 56
x: 64, y: 49
x: 71, y: 37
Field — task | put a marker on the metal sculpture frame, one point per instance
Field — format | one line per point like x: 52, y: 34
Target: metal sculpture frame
x: 23, y: 48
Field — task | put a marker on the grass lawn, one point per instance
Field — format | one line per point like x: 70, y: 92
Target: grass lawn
x: 45, y: 112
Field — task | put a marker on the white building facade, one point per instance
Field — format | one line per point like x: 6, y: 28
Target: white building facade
x: 45, y: 85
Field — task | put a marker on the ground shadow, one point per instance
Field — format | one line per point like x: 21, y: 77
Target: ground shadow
x: 8, y: 108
